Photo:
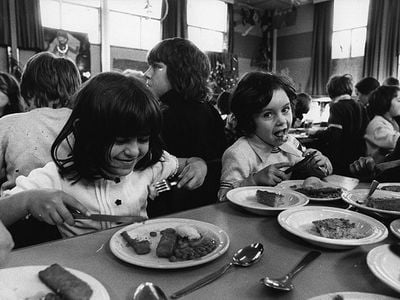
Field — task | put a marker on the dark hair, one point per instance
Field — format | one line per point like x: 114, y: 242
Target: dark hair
x: 391, y: 81
x: 223, y: 103
x: 49, y: 80
x: 108, y: 106
x: 339, y: 85
x: 302, y: 104
x: 10, y: 87
x: 367, y: 85
x: 253, y: 92
x: 188, y: 68
x: 380, y: 100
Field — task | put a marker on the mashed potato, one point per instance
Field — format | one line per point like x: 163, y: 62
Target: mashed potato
x: 188, y: 231
x: 313, y: 182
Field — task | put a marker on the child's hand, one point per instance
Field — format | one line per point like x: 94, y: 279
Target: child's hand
x: 363, y: 167
x: 193, y: 174
x: 271, y: 175
x: 320, y: 160
x: 6, y: 243
x: 51, y: 206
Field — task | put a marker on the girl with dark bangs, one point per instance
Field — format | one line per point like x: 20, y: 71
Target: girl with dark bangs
x: 178, y: 74
x: 113, y: 134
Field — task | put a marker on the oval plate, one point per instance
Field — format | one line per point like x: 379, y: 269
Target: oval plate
x: 387, y: 185
x: 352, y: 296
x: 298, y: 221
x: 385, y: 265
x: 295, y: 184
x: 24, y: 282
x: 120, y: 249
x: 357, y: 196
x: 246, y: 198
x: 395, y: 227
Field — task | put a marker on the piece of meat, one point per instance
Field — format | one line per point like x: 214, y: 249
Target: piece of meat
x: 65, y: 284
x: 139, y: 246
x: 165, y: 247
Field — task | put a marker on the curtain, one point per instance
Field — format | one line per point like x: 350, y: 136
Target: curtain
x: 231, y: 26
x: 383, y: 39
x: 321, y: 48
x: 5, y: 38
x: 29, y: 25
x: 175, y: 21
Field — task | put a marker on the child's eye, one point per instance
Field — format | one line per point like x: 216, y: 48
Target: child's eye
x: 121, y: 140
x: 267, y: 115
x: 143, y: 139
x: 286, y: 109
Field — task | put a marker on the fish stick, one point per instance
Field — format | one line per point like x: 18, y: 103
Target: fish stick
x: 65, y: 284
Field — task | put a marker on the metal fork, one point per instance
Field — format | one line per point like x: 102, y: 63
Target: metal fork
x: 165, y: 185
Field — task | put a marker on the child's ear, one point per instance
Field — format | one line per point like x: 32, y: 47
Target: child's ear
x: 75, y: 124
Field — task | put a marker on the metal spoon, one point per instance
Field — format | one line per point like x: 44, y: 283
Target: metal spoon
x: 149, y: 291
x: 285, y: 283
x: 244, y: 257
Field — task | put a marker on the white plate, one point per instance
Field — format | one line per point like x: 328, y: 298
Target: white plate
x: 353, y: 196
x: 120, y: 249
x: 299, y: 222
x: 24, y: 282
x: 385, y: 265
x: 384, y: 186
x: 295, y: 184
x: 246, y: 198
x: 395, y: 227
x: 352, y: 296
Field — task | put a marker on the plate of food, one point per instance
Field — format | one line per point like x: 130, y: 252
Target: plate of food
x: 263, y: 200
x: 352, y: 296
x: 395, y: 227
x: 381, y: 201
x: 390, y: 186
x: 385, y: 265
x: 331, y: 227
x: 169, y: 243
x: 35, y: 282
x: 314, y: 188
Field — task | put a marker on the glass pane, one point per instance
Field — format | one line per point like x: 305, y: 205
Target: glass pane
x: 150, y: 8
x: 211, y: 14
x: 358, y: 37
x: 93, y: 3
x: 124, y: 30
x: 50, y: 13
x: 151, y: 33
x: 206, y: 40
x: 82, y: 19
x: 349, y: 14
x: 341, y: 44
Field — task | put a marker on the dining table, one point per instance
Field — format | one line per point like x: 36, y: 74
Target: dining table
x: 335, y: 271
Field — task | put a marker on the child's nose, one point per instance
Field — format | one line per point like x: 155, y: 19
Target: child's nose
x: 132, y: 148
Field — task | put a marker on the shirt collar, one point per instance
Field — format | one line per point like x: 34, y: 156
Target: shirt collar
x: 263, y: 149
x: 342, y: 97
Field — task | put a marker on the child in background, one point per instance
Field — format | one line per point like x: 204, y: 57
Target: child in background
x: 10, y: 95
x: 301, y: 106
x: 261, y: 105
x: 114, y: 160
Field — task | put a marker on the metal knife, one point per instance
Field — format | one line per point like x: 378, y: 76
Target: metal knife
x: 395, y: 248
x: 110, y: 218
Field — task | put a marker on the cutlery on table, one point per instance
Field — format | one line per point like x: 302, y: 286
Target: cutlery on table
x: 165, y: 185
x: 285, y: 283
x: 244, y: 257
x: 149, y: 291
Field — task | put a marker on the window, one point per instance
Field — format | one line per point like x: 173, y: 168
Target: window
x: 207, y: 24
x: 134, y: 24
x: 74, y: 15
x: 350, y: 19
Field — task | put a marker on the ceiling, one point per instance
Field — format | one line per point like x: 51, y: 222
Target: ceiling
x: 271, y: 4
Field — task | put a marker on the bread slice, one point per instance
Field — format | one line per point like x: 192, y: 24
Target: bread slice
x: 269, y: 198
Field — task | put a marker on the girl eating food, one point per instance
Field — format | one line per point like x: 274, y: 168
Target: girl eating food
x: 261, y: 106
x: 115, y: 157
